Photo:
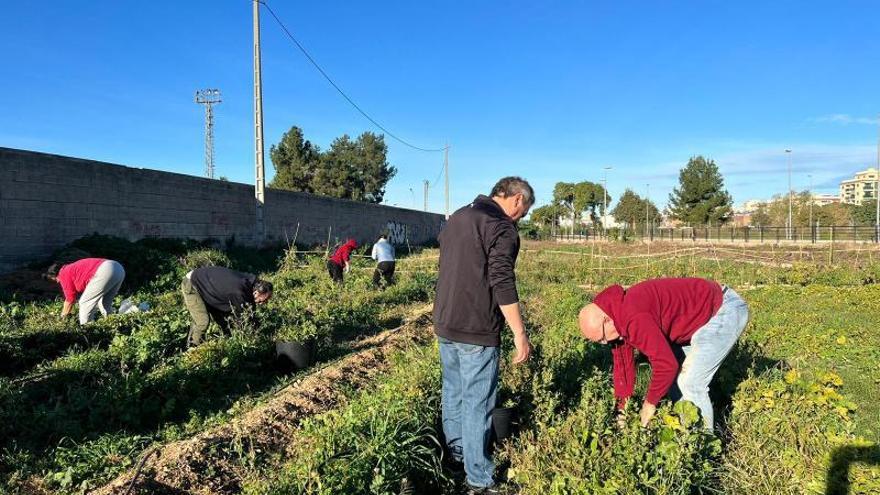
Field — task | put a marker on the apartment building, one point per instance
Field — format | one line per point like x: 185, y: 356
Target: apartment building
x: 860, y: 188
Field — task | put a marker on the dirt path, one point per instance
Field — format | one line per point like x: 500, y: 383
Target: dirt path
x: 216, y: 461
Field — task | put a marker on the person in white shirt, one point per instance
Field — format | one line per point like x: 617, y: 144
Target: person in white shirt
x: 383, y: 252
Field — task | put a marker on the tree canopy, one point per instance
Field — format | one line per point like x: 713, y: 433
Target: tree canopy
x: 546, y: 215
x: 350, y: 169
x: 631, y: 209
x: 579, y: 197
x: 700, y: 198
x: 775, y: 212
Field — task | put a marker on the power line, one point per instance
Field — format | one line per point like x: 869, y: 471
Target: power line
x: 439, y: 174
x: 338, y: 89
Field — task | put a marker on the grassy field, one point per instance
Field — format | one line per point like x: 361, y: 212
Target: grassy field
x: 799, y: 398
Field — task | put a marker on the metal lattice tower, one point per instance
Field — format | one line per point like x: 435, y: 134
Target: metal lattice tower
x: 209, y: 98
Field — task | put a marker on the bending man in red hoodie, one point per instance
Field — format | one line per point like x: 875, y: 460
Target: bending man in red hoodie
x: 340, y: 261
x: 667, y: 319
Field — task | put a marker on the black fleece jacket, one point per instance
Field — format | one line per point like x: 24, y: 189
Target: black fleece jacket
x: 223, y: 291
x: 478, y: 250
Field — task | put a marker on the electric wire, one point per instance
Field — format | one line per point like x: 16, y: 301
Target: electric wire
x: 336, y: 86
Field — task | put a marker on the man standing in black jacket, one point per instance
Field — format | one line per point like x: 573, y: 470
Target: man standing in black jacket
x: 215, y: 292
x: 476, y: 294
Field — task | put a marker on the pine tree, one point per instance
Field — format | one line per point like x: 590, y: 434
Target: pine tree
x: 700, y: 198
x: 295, y: 160
x: 351, y: 169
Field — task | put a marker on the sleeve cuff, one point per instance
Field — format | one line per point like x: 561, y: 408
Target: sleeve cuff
x: 505, y: 297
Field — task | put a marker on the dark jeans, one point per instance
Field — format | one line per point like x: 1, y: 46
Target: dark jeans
x: 385, y: 269
x: 335, y: 271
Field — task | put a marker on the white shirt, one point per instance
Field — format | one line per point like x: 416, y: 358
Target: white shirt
x: 383, y: 251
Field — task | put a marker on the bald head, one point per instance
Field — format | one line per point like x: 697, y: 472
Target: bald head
x: 596, y: 325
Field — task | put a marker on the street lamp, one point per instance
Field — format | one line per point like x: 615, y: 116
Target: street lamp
x: 605, y: 199
x: 788, y: 155
x: 812, y: 198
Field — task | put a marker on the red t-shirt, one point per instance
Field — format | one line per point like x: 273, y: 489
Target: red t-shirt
x: 342, y: 255
x: 651, y: 316
x: 75, y: 276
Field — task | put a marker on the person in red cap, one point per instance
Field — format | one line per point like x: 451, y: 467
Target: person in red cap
x: 339, y: 262
x: 684, y: 326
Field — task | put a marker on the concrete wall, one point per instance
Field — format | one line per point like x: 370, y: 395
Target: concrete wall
x: 47, y: 201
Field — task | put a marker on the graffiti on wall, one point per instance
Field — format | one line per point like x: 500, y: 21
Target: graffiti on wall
x: 396, y: 232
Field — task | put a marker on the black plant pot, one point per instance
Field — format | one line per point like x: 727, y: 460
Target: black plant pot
x: 297, y: 355
x: 502, y: 422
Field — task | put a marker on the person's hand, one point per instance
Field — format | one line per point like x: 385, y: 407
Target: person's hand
x: 621, y: 419
x: 347, y: 267
x: 523, y: 348
x: 647, y: 413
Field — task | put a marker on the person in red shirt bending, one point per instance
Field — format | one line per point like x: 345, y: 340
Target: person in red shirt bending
x: 340, y: 260
x: 684, y: 326
x: 95, y: 280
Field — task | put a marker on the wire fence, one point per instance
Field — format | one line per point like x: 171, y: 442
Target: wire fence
x: 758, y: 235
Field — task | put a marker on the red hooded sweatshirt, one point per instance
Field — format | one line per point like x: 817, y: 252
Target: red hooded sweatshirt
x: 343, y: 254
x: 651, y: 316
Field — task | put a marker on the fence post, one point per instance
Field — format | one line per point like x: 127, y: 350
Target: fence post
x: 831, y: 248
x: 761, y: 228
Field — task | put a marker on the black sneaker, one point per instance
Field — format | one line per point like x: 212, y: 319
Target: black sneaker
x: 497, y: 489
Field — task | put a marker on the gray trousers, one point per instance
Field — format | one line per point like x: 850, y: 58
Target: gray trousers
x: 100, y: 291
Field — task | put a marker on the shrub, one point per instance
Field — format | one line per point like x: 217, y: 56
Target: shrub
x: 783, y: 431
x: 205, y: 257
x: 586, y: 452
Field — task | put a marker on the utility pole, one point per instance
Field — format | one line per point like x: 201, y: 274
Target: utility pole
x: 877, y: 188
x: 260, y: 186
x: 446, y: 173
x: 605, y: 199
x: 426, y: 194
x: 647, y: 202
x: 209, y: 98
x: 788, y: 155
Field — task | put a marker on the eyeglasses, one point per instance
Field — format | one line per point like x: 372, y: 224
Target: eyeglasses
x: 604, y: 339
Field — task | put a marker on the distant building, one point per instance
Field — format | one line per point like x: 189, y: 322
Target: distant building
x: 860, y: 188
x: 825, y: 199
x: 750, y: 206
x: 670, y: 223
x: 743, y: 219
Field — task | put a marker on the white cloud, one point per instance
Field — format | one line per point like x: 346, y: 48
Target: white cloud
x: 844, y: 119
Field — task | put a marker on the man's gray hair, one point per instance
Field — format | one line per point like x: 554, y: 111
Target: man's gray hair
x: 509, y: 186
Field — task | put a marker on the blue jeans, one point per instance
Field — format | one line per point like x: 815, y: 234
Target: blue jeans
x: 708, y: 348
x: 470, y: 381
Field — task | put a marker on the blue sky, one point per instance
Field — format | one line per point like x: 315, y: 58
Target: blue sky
x: 548, y: 90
